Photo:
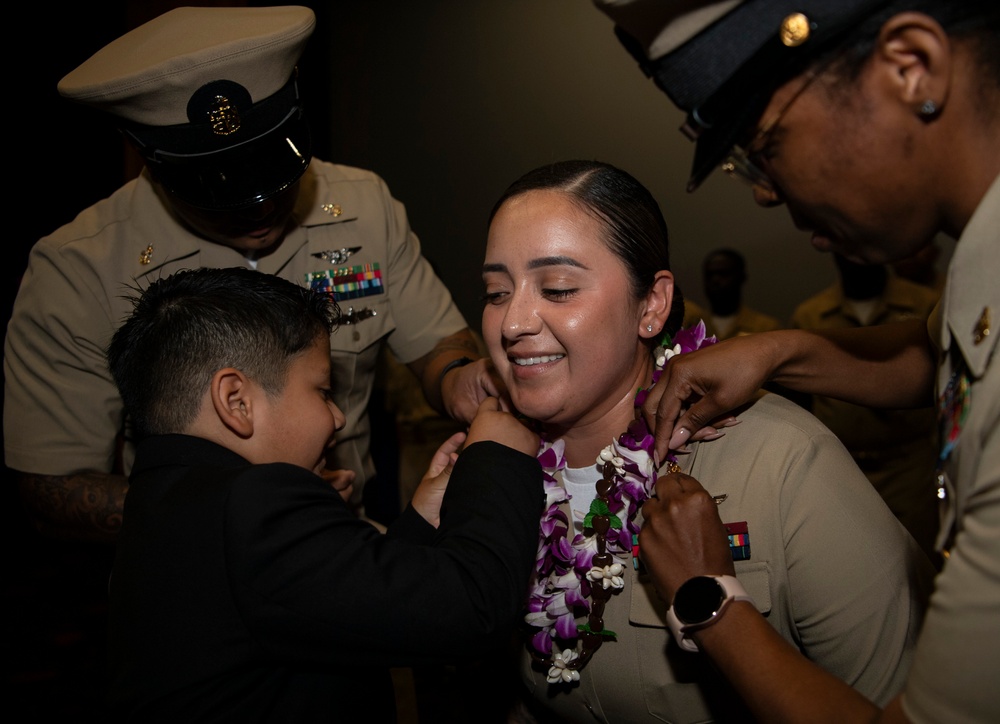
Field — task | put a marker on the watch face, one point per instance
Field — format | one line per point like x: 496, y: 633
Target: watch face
x: 698, y: 599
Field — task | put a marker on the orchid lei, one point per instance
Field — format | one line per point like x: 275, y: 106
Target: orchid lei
x: 592, y: 566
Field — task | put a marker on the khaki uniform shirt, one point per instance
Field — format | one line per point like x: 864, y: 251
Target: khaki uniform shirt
x: 955, y: 670
x: 747, y: 321
x: 896, y: 449
x: 62, y: 411
x: 830, y: 567
x: 692, y: 313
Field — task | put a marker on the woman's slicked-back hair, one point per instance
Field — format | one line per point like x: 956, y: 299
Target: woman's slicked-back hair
x: 187, y: 326
x: 635, y: 229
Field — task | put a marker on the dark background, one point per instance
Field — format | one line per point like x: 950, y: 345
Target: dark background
x: 448, y: 100
x: 69, y: 157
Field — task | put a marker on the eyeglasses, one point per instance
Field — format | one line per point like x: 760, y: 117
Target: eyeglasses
x: 744, y: 161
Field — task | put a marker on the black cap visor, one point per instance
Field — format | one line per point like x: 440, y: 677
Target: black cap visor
x: 724, y: 77
x: 718, y: 124
x: 241, y: 175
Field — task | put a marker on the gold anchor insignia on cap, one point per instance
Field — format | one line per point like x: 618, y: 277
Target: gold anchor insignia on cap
x: 146, y: 256
x: 224, y: 117
x: 332, y: 209
x: 982, y: 330
x: 794, y: 30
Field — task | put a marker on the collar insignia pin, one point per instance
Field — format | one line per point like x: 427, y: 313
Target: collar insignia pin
x: 795, y: 30
x: 982, y: 330
x: 146, y: 256
x: 332, y: 209
x: 337, y: 256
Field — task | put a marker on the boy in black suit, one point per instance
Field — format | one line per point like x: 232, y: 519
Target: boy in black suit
x: 244, y: 587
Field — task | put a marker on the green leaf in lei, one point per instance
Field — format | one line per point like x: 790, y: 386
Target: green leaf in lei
x: 599, y: 507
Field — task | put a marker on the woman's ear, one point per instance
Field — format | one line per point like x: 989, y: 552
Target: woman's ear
x: 917, y: 53
x: 233, y: 400
x: 657, y: 308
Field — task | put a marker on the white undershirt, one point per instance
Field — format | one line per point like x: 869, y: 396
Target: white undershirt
x: 724, y: 325
x: 864, y: 309
x: 581, y: 484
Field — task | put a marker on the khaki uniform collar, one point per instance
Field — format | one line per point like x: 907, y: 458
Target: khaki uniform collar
x: 971, y: 298
x: 313, y: 208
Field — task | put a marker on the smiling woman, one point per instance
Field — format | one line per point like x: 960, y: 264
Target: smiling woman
x: 580, y: 309
x: 553, y: 289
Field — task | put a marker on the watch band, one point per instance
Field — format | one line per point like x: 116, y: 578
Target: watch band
x: 460, y: 362
x: 733, y: 590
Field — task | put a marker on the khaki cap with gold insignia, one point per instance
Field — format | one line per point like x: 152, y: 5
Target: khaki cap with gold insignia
x: 202, y: 91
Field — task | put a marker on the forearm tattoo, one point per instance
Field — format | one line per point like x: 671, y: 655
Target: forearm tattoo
x: 84, y: 506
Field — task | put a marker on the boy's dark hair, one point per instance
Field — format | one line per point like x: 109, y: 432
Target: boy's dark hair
x: 186, y: 327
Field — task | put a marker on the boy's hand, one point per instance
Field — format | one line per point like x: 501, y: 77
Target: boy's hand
x: 340, y: 480
x: 492, y: 423
x: 427, y: 497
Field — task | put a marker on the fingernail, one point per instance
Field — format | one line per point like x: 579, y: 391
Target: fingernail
x: 730, y: 422
x: 704, y: 433
x: 679, y: 438
x: 714, y: 436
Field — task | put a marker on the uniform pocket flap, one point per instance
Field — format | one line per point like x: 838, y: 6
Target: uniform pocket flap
x: 646, y: 608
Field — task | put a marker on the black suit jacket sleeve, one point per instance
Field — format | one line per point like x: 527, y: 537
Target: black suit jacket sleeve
x: 312, y: 582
